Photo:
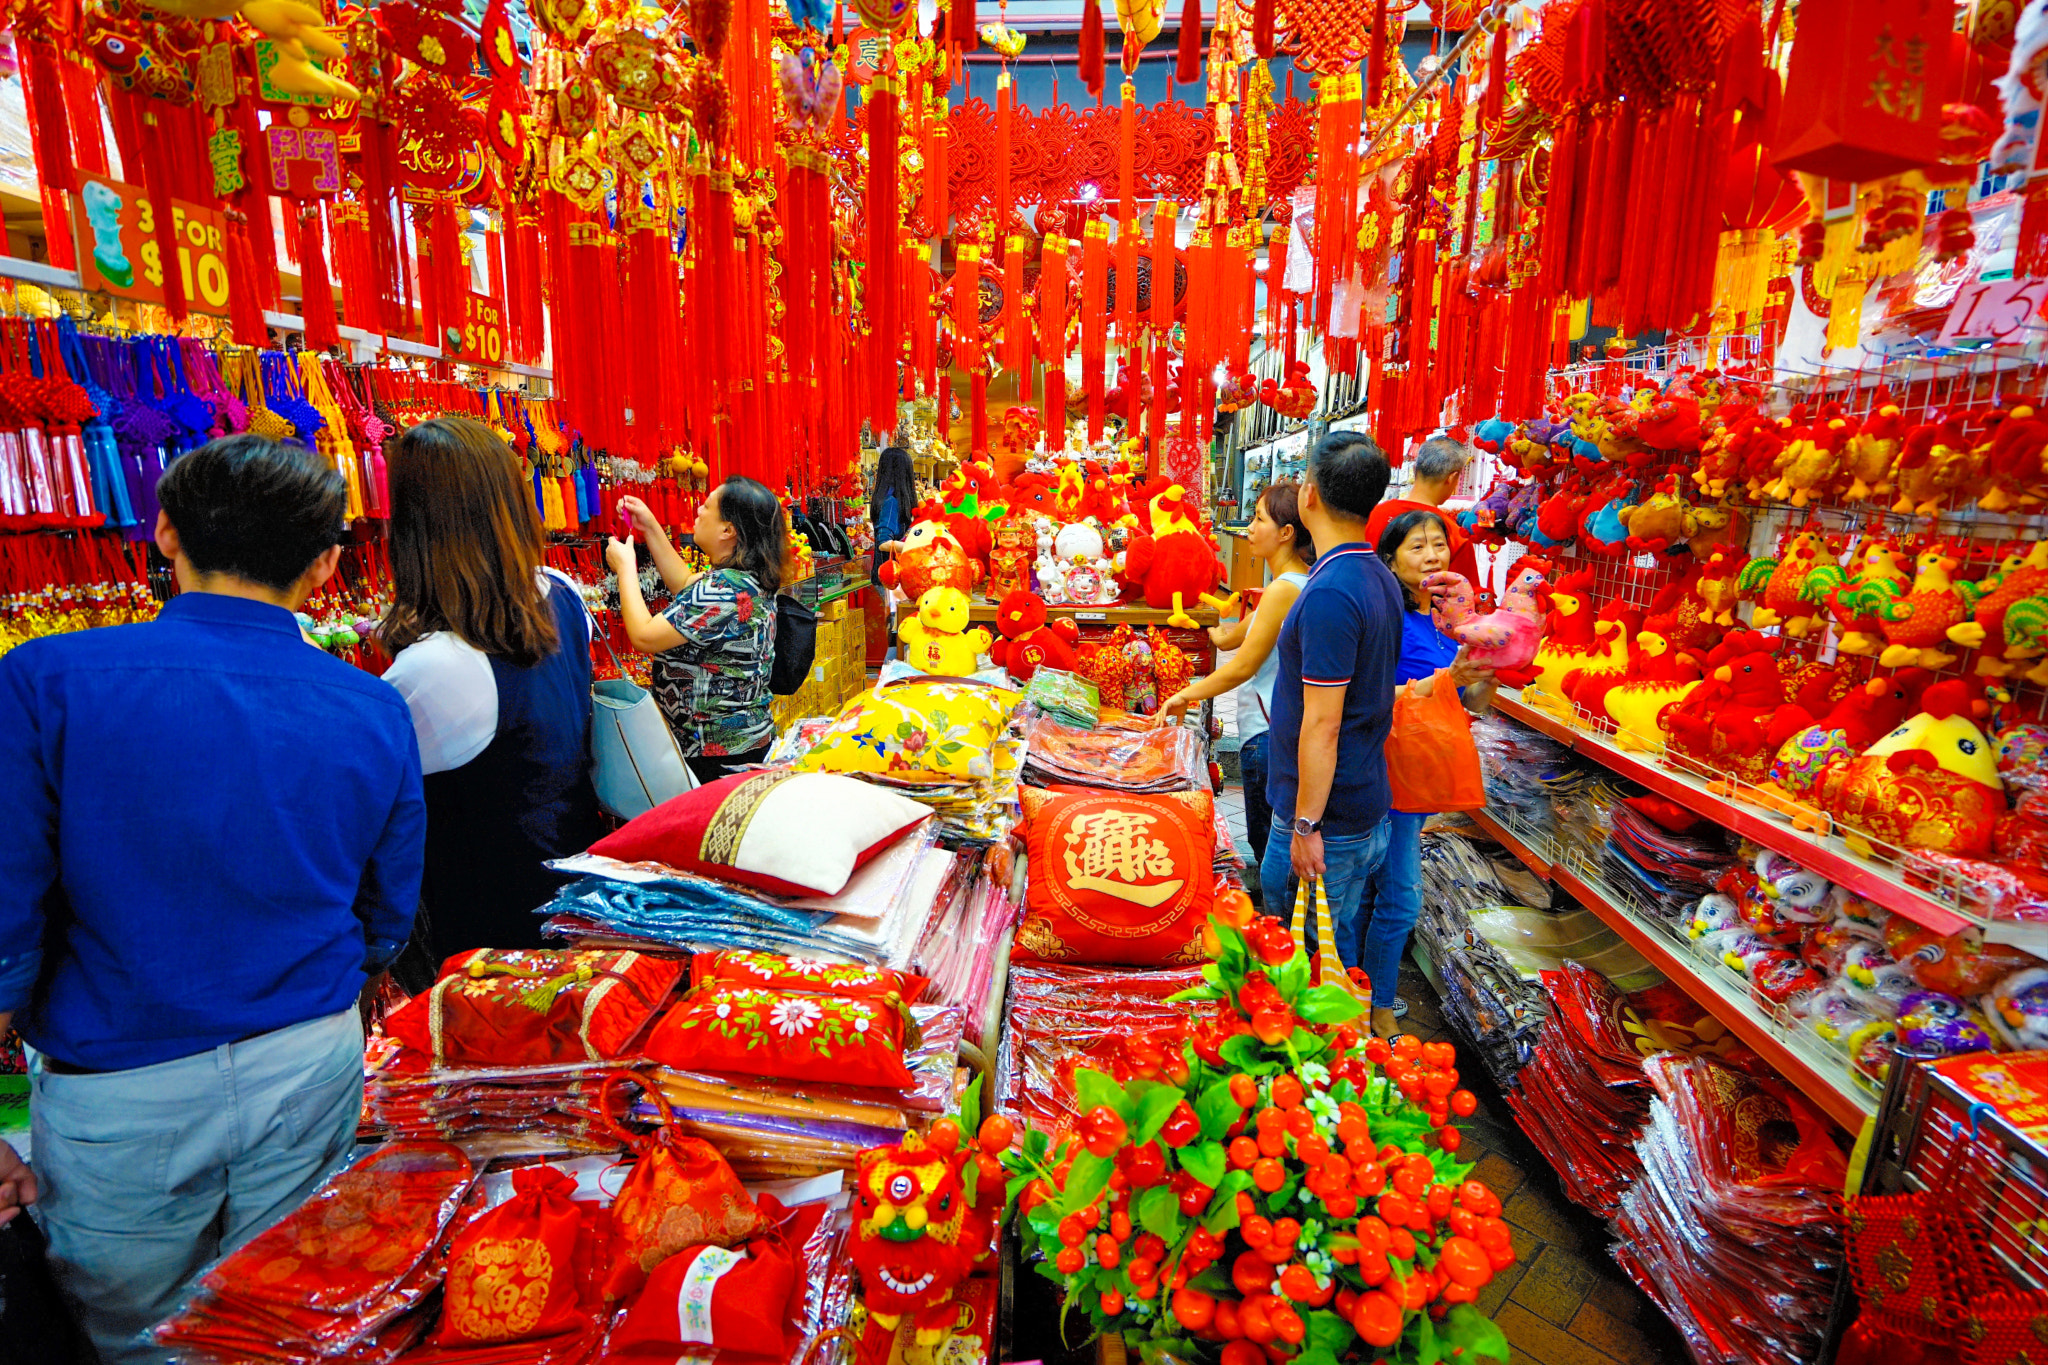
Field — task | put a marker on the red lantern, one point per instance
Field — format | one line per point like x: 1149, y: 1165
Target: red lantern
x: 1867, y: 82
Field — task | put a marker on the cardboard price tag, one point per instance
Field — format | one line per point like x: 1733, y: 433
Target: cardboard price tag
x: 2001, y: 310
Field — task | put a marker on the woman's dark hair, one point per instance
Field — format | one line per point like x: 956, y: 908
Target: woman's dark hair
x: 1282, y: 502
x: 1396, y: 535
x: 465, y: 544
x: 256, y: 508
x: 892, y: 475
x: 757, y: 518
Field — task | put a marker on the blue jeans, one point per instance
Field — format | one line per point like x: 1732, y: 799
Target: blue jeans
x: 1258, y: 816
x: 1349, y: 868
x: 1393, y: 902
x: 149, y: 1175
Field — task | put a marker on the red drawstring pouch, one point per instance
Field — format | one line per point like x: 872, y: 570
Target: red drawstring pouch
x: 774, y: 972
x: 788, y: 1035
x: 534, y: 1007
x: 746, y: 1301
x: 512, y: 1272
x: 680, y: 1193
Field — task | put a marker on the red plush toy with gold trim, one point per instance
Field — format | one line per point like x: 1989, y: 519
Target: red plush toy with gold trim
x: 1931, y: 783
x: 924, y: 1217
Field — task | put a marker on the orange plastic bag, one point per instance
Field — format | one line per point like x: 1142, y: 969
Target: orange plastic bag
x: 1432, y: 763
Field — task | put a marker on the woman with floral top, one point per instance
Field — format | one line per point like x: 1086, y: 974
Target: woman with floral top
x: 714, y: 644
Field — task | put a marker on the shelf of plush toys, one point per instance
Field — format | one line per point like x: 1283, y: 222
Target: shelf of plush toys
x: 1823, y: 1076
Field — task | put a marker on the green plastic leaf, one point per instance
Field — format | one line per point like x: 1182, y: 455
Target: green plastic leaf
x: 1044, y: 1219
x: 970, y: 1110
x: 1243, y: 1051
x: 1428, y: 1350
x: 1308, y: 1045
x: 1473, y: 1335
x: 1159, y: 1212
x: 1092, y: 1088
x: 1316, y: 1355
x: 1327, y: 1332
x: 1217, y: 1111
x: 1291, y: 976
x: 1086, y: 1180
x: 1205, y: 1161
x: 1222, y: 1214
x: 1214, y: 1280
x: 1154, y: 1108
x: 1328, y: 1004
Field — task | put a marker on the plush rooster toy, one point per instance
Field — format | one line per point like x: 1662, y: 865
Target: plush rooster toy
x: 1175, y: 563
x: 1932, y: 782
x: 1850, y: 726
x: 931, y: 557
x: 1294, y: 397
x: 923, y: 1218
x: 1506, y: 638
x: 1029, y: 641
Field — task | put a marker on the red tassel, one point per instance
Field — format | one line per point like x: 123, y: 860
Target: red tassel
x: 1052, y: 337
x: 316, y: 287
x: 883, y: 255
x: 245, y: 291
x: 1262, y: 29
x: 1188, y: 68
x: 1005, y: 115
x: 49, y: 125
x: 1016, y: 322
x: 1094, y: 323
x: 1375, y: 54
x: 1088, y: 55
x: 1491, y: 109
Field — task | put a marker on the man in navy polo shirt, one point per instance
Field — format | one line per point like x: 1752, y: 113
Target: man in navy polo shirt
x: 1334, y: 697
x: 214, y: 833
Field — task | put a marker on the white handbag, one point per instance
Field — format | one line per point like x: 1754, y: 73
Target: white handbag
x: 635, y: 762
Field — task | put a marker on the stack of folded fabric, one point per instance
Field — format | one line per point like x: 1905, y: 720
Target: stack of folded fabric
x: 1582, y: 1098
x: 345, y: 1276
x: 1065, y: 1018
x: 1065, y: 697
x: 492, y: 1111
x: 1734, y: 1228
x: 1519, y: 764
x: 1487, y: 1000
x: 1662, y: 871
x: 1124, y: 753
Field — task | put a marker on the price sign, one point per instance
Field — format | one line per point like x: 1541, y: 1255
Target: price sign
x: 483, y: 330
x: 117, y: 246
x: 2002, y: 310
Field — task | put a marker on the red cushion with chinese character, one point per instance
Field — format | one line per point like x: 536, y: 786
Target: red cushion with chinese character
x: 1117, y: 877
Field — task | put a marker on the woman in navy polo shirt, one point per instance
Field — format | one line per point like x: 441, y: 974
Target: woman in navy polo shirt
x: 1414, y: 545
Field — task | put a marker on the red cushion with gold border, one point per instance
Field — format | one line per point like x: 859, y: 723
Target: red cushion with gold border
x: 774, y: 972
x: 1117, y: 877
x: 534, y: 1007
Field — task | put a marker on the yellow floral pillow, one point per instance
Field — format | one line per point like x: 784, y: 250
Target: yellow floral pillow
x: 916, y: 732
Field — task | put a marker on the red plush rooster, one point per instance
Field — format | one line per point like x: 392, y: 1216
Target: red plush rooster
x: 1175, y: 563
x: 1029, y: 641
x: 1294, y: 397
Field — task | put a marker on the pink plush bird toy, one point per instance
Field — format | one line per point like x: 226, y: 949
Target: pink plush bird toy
x: 1504, y: 639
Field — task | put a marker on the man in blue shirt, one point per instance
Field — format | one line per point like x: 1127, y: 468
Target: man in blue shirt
x: 1334, y: 697
x: 214, y: 832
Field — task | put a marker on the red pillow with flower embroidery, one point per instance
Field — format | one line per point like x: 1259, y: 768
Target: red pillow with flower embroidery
x: 774, y: 972
x: 1116, y: 877
x: 534, y: 1007
x: 788, y: 1035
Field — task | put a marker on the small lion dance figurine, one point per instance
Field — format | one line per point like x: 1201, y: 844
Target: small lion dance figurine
x: 925, y: 1214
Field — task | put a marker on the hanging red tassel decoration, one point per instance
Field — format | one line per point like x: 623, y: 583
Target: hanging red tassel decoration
x: 1088, y: 52
x: 1163, y: 219
x: 49, y: 119
x: 1052, y: 337
x: 1375, y: 56
x: 883, y: 258
x: 1187, y: 67
x: 316, y: 286
x: 1016, y: 319
x: 1336, y: 188
x: 1094, y: 322
x: 1262, y: 29
x: 967, y: 339
x: 1005, y: 114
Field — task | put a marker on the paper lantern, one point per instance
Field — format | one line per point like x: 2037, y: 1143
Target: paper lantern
x: 1863, y: 100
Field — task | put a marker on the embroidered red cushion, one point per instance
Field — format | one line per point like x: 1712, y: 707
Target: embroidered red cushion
x: 774, y: 972
x: 790, y: 1035
x: 779, y: 831
x: 533, y: 1007
x: 1117, y: 877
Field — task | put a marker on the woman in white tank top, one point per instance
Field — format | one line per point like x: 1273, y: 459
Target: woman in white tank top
x: 1276, y: 536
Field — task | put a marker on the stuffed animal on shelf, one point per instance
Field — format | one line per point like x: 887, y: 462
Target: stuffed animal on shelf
x: 1574, y: 638
x: 1660, y: 521
x: 1869, y: 455
x: 1916, y: 624
x: 1176, y: 563
x: 1658, y: 679
x: 1603, y: 522
x: 2017, y: 1008
x: 1745, y: 730
x: 1808, y: 461
x: 937, y: 640
x: 1936, y: 461
x: 2013, y: 461
x: 1773, y: 583
x: 923, y: 1219
x: 1850, y: 726
x: 2021, y: 574
x: 931, y: 557
x: 1029, y: 640
x: 1850, y: 591
x: 1932, y: 782
x: 1009, y: 563
x: 1504, y: 639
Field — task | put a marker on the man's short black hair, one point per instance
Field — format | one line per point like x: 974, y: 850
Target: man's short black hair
x: 1350, y: 473
x: 256, y: 508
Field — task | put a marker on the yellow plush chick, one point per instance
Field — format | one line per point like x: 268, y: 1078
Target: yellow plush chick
x: 296, y: 28
x: 937, y: 639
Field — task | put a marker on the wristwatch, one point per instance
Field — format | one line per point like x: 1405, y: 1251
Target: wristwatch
x: 1304, y: 827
